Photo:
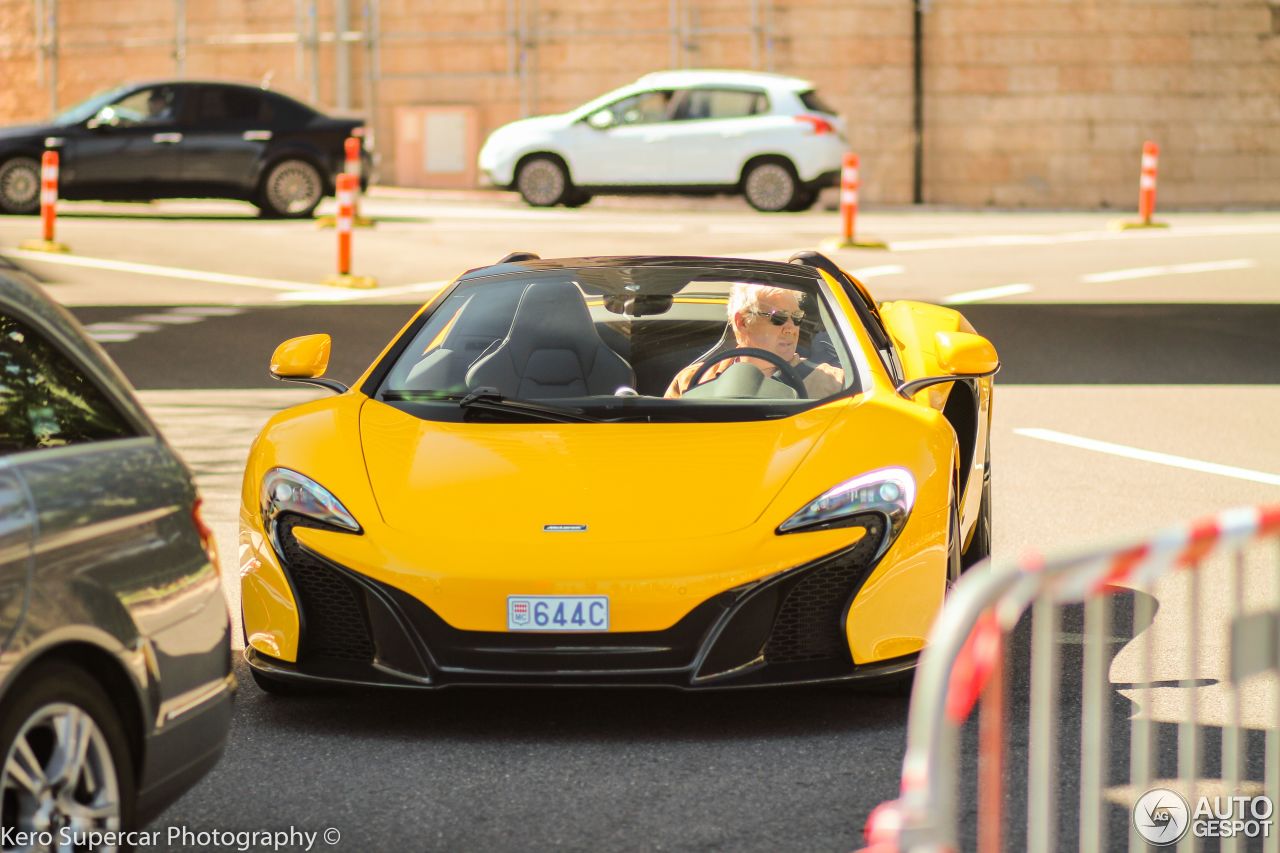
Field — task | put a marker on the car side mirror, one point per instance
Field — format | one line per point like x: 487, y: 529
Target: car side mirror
x: 962, y: 355
x: 965, y: 353
x: 304, y: 359
x: 601, y: 119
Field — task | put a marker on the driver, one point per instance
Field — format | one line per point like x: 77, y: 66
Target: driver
x: 158, y: 106
x: 766, y: 318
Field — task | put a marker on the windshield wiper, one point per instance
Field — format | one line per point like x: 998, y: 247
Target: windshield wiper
x: 490, y: 400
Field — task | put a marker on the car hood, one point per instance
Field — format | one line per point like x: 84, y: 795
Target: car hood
x: 530, y: 126
x: 508, y: 482
x: 26, y: 131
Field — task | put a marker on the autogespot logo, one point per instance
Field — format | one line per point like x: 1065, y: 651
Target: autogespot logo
x: 1162, y: 816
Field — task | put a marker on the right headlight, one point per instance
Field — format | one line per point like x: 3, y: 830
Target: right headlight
x: 888, y: 491
x: 285, y: 490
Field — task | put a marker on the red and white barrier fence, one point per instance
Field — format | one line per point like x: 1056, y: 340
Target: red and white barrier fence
x: 965, y: 662
x: 1147, y: 182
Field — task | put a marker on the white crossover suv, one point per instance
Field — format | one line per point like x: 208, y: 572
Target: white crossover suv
x: 766, y: 136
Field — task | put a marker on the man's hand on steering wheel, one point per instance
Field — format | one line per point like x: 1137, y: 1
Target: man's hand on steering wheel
x: 789, y: 374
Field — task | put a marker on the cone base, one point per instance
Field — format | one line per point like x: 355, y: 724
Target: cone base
x: 44, y: 246
x: 1127, y: 225
x: 356, y: 282
x: 840, y: 243
x: 328, y: 221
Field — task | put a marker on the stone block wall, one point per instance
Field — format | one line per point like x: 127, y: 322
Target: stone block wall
x: 1028, y: 103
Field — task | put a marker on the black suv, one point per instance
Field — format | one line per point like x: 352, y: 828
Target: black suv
x: 182, y: 139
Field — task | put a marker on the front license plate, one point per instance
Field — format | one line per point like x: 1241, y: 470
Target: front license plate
x: 558, y: 613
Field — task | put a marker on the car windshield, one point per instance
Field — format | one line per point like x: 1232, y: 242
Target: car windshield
x: 88, y: 108
x: 640, y: 343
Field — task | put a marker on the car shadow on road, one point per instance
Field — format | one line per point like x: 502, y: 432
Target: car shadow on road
x: 588, y: 714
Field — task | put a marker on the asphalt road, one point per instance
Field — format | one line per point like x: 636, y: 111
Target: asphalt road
x: 1161, y: 341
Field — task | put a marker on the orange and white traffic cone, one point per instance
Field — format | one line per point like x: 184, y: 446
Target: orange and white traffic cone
x: 348, y: 186
x: 1146, y: 190
x: 850, y: 182
x: 48, y: 207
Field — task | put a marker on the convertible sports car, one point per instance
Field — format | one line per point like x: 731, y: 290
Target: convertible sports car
x: 680, y: 471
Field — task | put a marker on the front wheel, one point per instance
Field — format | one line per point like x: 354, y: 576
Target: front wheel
x: 292, y: 189
x: 543, y: 182
x: 771, y: 186
x: 67, y: 765
x: 19, y: 185
x: 980, y: 545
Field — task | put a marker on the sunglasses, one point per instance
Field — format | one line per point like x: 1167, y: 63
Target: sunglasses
x: 779, y: 318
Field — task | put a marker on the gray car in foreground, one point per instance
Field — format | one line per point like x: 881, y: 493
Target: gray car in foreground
x: 115, y: 668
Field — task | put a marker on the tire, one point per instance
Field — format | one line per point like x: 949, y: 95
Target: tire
x: 980, y: 545
x: 291, y: 189
x: 46, y: 712
x: 771, y: 186
x: 955, y: 562
x: 20, y: 185
x: 578, y: 199
x: 804, y: 200
x: 544, y: 182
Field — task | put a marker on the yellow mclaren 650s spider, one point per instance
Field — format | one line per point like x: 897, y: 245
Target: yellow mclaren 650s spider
x: 675, y: 471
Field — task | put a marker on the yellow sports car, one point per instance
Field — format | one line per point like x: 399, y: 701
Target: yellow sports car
x: 680, y: 471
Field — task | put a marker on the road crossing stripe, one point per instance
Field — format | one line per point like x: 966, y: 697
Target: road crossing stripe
x: 152, y: 269
x: 967, y: 296
x: 1150, y: 456
x: 1170, y: 269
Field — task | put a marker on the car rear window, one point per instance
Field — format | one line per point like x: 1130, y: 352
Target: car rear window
x: 812, y: 102
x: 219, y: 104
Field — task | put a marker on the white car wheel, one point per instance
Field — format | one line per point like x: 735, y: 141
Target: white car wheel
x: 20, y: 185
x: 293, y: 188
x: 770, y: 186
x: 542, y: 182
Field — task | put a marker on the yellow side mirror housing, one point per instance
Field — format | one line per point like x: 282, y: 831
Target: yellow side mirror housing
x: 301, y: 358
x: 964, y: 353
x: 305, y: 359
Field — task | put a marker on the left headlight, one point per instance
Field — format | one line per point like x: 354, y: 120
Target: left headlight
x: 284, y: 491
x: 888, y: 491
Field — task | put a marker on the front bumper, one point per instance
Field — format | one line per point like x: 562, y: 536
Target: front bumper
x: 786, y: 629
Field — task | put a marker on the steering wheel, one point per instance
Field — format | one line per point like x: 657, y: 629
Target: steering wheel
x: 789, y: 374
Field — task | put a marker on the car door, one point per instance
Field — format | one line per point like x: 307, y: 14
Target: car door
x: 231, y: 128
x: 16, y: 526
x: 112, y: 505
x: 623, y: 143
x: 713, y: 131
x: 131, y: 148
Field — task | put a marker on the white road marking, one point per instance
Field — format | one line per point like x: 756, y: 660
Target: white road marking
x: 1171, y: 269
x: 134, y: 328
x: 151, y: 269
x: 968, y: 296
x: 170, y: 319
x: 981, y: 241
x: 112, y: 337
x: 339, y: 294
x: 209, y: 310
x: 1151, y: 456
x: 878, y: 272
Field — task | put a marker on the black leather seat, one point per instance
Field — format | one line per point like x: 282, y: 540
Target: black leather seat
x: 552, y: 350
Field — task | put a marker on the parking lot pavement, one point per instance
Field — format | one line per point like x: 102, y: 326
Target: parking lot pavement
x: 1139, y: 389
x: 220, y: 252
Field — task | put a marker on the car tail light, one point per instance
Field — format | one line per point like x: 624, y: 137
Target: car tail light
x: 819, y: 124
x: 206, y: 534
